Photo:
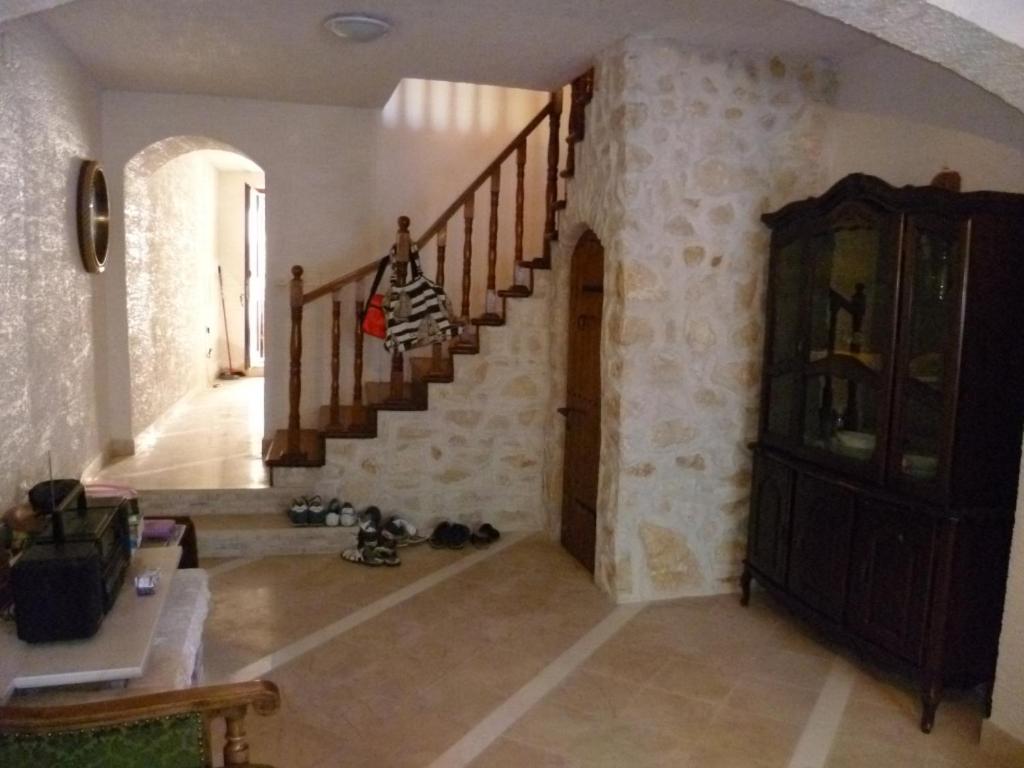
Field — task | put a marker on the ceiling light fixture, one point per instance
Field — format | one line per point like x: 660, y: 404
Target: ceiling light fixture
x: 357, y: 27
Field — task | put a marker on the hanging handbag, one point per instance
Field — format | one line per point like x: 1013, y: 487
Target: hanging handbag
x: 418, y: 313
x: 374, y: 322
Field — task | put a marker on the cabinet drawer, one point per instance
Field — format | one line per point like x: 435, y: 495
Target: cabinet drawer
x: 823, y: 517
x: 891, y: 579
x: 770, y: 507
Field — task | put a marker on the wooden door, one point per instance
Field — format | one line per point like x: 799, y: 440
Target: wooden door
x: 768, y: 547
x: 889, y: 590
x: 823, y: 517
x: 582, y: 409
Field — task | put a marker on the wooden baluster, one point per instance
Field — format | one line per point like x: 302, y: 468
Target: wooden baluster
x: 467, y: 257
x: 357, y: 359
x: 335, y: 357
x: 572, y: 134
x: 519, y: 282
x: 491, y: 299
x: 437, y: 366
x: 403, y: 244
x: 236, y: 746
x: 551, y: 197
x: 295, y: 377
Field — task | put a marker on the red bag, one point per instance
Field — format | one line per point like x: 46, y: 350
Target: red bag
x: 374, y: 323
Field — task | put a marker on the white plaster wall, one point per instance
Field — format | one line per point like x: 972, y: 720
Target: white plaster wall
x: 231, y: 224
x: 1008, y: 697
x: 684, y: 151
x: 49, y: 123
x: 171, y: 215
x: 903, y: 119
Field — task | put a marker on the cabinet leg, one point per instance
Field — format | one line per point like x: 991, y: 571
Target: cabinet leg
x: 745, y: 586
x: 931, y: 695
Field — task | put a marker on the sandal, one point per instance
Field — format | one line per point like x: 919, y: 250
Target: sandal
x: 485, y: 535
x: 401, y: 532
x: 458, y: 535
x: 362, y: 556
x: 439, y: 538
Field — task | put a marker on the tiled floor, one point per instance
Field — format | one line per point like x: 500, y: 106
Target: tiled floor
x: 212, y: 439
x: 518, y: 660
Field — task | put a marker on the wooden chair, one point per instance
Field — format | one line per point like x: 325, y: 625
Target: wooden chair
x: 160, y: 730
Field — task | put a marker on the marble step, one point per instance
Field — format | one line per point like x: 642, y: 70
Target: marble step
x: 259, y: 535
x: 219, y: 501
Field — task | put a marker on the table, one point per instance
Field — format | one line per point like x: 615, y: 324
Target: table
x: 118, y: 651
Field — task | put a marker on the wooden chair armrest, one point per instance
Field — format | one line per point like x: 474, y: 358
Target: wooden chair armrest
x: 211, y: 700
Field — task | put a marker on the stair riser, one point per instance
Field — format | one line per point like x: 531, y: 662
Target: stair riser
x: 259, y: 543
x: 198, y: 503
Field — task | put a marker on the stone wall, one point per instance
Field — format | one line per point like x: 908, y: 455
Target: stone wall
x: 684, y: 151
x: 170, y: 213
x: 476, y: 455
x: 49, y: 123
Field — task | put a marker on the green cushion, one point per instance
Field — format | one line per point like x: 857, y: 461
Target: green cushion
x: 168, y: 742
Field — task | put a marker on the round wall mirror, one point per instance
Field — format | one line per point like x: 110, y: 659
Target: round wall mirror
x: 93, y: 216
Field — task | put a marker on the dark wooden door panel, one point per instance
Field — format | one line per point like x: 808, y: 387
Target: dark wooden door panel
x: 893, y: 552
x: 583, y: 401
x: 770, y: 518
x: 823, y: 517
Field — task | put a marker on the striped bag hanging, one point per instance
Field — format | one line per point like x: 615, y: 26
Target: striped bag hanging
x: 418, y: 313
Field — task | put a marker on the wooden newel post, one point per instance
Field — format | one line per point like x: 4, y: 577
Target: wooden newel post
x: 403, y: 249
x: 437, y: 356
x: 551, y: 196
x: 295, y: 377
x: 236, y: 746
x: 335, y: 356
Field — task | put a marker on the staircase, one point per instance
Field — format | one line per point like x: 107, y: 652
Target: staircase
x: 408, y: 386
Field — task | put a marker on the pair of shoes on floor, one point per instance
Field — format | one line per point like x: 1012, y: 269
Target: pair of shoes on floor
x: 340, y: 513
x: 371, y: 547
x: 456, y: 535
x: 399, y: 532
x: 307, y: 510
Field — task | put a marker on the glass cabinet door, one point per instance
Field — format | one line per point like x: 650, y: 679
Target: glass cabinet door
x: 850, y: 336
x: 785, y: 358
x: 932, y: 265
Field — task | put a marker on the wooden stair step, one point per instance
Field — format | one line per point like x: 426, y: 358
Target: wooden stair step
x: 561, y: 205
x: 354, y: 422
x: 311, y: 450
x: 423, y: 370
x: 516, y: 292
x: 538, y: 263
x: 467, y: 344
x: 413, y: 398
x: 492, y: 320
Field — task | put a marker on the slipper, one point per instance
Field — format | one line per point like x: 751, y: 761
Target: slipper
x: 317, y: 515
x: 298, y: 512
x: 386, y: 555
x: 333, y: 516
x: 458, y: 535
x: 401, y: 533
x: 362, y: 556
x: 439, y: 538
x: 348, y: 514
x: 369, y: 519
x: 485, y: 535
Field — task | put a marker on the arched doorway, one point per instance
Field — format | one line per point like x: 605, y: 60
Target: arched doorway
x: 582, y: 410
x: 189, y: 239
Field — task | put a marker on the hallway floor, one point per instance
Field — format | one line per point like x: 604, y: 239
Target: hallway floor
x: 211, y: 439
x: 510, y: 656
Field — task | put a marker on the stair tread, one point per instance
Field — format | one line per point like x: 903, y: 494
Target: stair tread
x: 378, y: 395
x: 423, y: 370
x: 490, y: 320
x: 311, y: 446
x: 353, y: 422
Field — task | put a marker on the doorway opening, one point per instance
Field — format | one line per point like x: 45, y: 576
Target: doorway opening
x: 255, y: 275
x: 189, y: 242
x: 582, y: 409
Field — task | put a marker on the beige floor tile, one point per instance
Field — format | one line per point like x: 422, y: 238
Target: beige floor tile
x: 693, y: 678
x: 507, y: 753
x: 597, y: 695
x: 750, y: 737
x: 778, y: 701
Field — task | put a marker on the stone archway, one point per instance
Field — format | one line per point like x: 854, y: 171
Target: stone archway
x: 172, y: 260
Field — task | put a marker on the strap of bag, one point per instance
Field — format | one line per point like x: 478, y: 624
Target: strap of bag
x: 380, y: 274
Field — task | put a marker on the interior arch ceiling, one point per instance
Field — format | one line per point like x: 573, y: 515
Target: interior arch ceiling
x: 268, y: 49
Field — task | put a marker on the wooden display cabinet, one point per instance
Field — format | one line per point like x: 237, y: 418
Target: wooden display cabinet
x: 886, y: 467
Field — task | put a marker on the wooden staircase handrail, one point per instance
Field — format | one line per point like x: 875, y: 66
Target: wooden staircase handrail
x: 554, y: 105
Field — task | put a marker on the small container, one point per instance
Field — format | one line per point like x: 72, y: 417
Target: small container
x: 147, y: 582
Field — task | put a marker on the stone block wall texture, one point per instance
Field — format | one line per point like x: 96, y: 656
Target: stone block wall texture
x: 49, y: 123
x: 170, y: 216
x: 684, y: 151
x: 476, y: 455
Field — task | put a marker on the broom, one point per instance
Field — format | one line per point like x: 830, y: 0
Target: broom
x: 230, y: 372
